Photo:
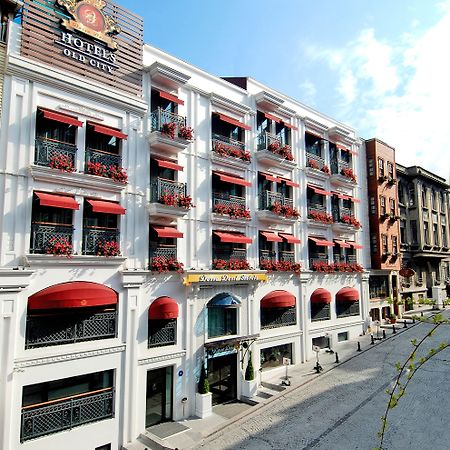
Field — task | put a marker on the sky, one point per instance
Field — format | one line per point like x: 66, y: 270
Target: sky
x: 382, y: 67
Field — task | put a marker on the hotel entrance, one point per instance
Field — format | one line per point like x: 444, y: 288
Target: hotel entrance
x: 159, y: 396
x: 222, y: 377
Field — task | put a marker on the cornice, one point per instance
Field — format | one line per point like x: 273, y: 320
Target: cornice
x: 229, y: 105
x: 335, y: 326
x: 167, y: 75
x: 166, y: 357
x: 37, y: 260
x: 279, y: 337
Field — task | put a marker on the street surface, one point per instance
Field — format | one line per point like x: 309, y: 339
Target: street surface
x: 341, y: 409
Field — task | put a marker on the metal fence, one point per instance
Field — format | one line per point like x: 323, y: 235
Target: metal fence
x: 268, y: 198
x: 345, y: 309
x: 218, y: 139
x: 45, y: 150
x: 162, y: 332
x: 235, y: 253
x: 166, y: 187
x: 320, y: 311
x: 228, y: 200
x: 159, y: 117
x: 265, y: 139
x: 317, y: 159
x: 105, y: 158
x: 277, y: 317
x: 41, y: 235
x: 93, y: 236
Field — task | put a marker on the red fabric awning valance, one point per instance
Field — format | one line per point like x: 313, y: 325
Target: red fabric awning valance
x: 339, y: 195
x: 232, y: 179
x: 57, y: 201
x: 290, y: 238
x: 172, y: 98
x: 271, y: 237
x: 74, y: 294
x: 237, y: 238
x: 354, y: 200
x: 108, y: 131
x: 342, y: 244
x: 318, y: 190
x: 103, y: 206
x: 321, y: 295
x: 278, y: 299
x: 167, y: 232
x: 234, y: 122
x: 288, y: 125
x: 355, y: 245
x: 347, y: 294
x: 270, y: 117
x: 290, y: 183
x: 59, y: 117
x: 169, y: 165
x: 163, y: 308
x: 322, y: 242
x: 270, y: 177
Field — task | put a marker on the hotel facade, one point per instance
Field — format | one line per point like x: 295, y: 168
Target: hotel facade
x: 156, y: 219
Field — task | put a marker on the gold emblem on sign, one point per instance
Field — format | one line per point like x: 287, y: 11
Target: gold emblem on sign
x: 89, y: 18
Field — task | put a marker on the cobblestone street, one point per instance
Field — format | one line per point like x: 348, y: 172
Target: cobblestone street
x: 341, y: 409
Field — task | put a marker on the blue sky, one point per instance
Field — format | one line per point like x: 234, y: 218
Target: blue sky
x: 380, y: 66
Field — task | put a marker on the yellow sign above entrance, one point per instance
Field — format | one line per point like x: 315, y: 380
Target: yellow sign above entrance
x: 223, y: 277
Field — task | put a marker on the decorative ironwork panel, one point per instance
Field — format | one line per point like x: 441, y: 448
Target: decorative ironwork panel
x: 267, y: 255
x: 318, y: 159
x: 164, y: 252
x: 235, y: 253
x: 268, y: 198
x: 320, y: 311
x: 166, y: 187
x: 67, y: 414
x: 229, y: 142
x: 162, y: 332
x: 317, y: 208
x: 265, y: 139
x: 287, y: 256
x: 92, y: 237
x: 351, y: 259
x: 346, y: 309
x: 41, y: 235
x: 277, y: 317
x: 160, y: 117
x: 337, y: 166
x: 45, y: 150
x: 228, y: 200
x: 318, y: 259
x: 105, y: 158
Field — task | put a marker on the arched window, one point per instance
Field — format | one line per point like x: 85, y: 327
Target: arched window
x: 347, y: 302
x: 162, y: 322
x: 278, y: 310
x: 320, y: 305
x: 222, y: 315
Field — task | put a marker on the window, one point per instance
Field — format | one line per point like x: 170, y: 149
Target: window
x: 380, y: 167
x: 390, y: 169
x: 342, y: 336
x: 162, y: 248
x: 394, y: 245
x: 283, y: 133
x: 435, y: 234
x: 424, y: 197
x: 413, y: 225
x: 162, y: 332
x: 344, y: 309
x: 434, y: 200
x: 370, y: 167
x: 273, y: 356
x: 374, y: 243
x: 442, y: 201
x: 444, y: 236
x: 321, y: 341
x: 382, y: 205
x: 313, y: 144
x: 320, y: 311
x: 227, y: 251
x: 373, y: 207
x: 277, y: 317
x: 378, y: 286
x: 401, y: 193
x: 403, y: 232
x: 384, y: 244
x: 426, y: 232
x: 226, y: 132
x: 411, y: 195
x: 222, y: 315
x: 392, y: 206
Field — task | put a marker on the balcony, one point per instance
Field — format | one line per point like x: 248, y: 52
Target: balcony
x: 166, y: 134
x: 55, y: 330
x: 316, y: 167
x: 104, y: 158
x: 344, y: 220
x: 285, y: 262
x: 272, y: 152
x: 94, y: 239
x: 318, y: 216
x: 345, y: 259
x: 47, y: 150
x: 230, y: 150
x: 45, y: 235
x: 342, y: 173
x: 59, y: 415
x: 275, y: 207
x: 318, y: 258
x: 267, y: 256
x: 162, y: 333
x: 229, y: 209
x: 234, y: 259
x: 167, y: 199
x: 164, y: 259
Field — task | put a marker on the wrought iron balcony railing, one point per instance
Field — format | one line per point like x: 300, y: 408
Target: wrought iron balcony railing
x: 267, y: 255
x: 228, y: 200
x: 265, y: 139
x: 347, y: 309
x: 59, y: 415
x: 338, y: 165
x: 105, y: 158
x: 320, y: 312
x: 92, y: 236
x: 317, y: 209
x: 348, y: 259
x: 55, y: 330
x: 287, y: 256
x: 339, y: 212
x: 268, y: 198
x: 235, y: 253
x: 3, y: 32
x: 313, y: 160
x: 230, y: 143
x: 162, y: 187
x: 165, y: 252
x: 318, y: 258
x: 159, y: 117
x: 162, y: 332
x: 47, y: 149
x: 277, y: 318
x: 43, y: 233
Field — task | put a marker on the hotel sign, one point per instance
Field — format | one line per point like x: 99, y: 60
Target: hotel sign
x: 223, y: 277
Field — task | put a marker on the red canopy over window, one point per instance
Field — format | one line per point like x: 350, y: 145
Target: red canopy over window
x: 288, y: 125
x: 63, y: 118
x: 355, y: 245
x: 163, y: 308
x: 103, y: 206
x: 102, y: 129
x: 269, y: 116
x: 317, y: 190
x: 57, y: 201
x: 232, y: 179
x: 290, y: 238
x: 238, y: 238
x: 347, y: 294
x: 169, y: 165
x: 342, y: 244
x: 321, y: 295
x: 74, y: 294
x: 234, y: 122
x: 290, y: 183
x: 278, y: 299
x: 271, y: 237
x: 167, y: 232
x: 270, y: 177
x: 172, y: 98
x: 322, y: 242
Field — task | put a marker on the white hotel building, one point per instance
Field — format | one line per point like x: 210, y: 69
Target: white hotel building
x: 96, y: 348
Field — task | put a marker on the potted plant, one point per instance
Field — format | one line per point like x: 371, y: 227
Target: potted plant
x: 249, y: 384
x: 203, y: 398
x: 393, y: 318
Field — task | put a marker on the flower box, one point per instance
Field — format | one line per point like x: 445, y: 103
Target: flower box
x: 233, y: 211
x: 61, y: 162
x: 249, y: 388
x: 59, y: 247
x: 176, y: 200
x: 318, y: 216
x: 348, y: 173
x: 203, y: 405
x: 280, y: 266
x: 163, y: 264
x: 284, y: 210
x: 231, y: 264
x: 108, y: 248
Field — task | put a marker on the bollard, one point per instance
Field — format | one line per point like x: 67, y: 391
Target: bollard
x: 421, y: 313
x: 371, y: 340
x: 404, y: 324
x: 393, y: 329
x: 359, y: 347
x: 337, y: 358
x: 414, y: 320
x: 384, y: 334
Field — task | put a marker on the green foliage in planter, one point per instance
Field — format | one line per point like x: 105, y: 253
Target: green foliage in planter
x: 203, y: 383
x: 250, y: 371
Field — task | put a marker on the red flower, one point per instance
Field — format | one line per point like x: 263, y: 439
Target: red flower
x: 108, y: 248
x: 313, y: 164
x: 283, y: 151
x: 326, y: 169
x: 348, y: 173
x: 231, y: 264
x: 61, y: 162
x: 186, y: 133
x: 169, y: 129
x: 59, y: 247
x: 117, y: 173
x: 350, y: 220
x: 318, y: 216
x: 234, y: 211
x: 176, y: 200
x: 230, y: 150
x: 284, y: 210
x: 97, y: 169
x: 162, y: 264
x: 280, y: 266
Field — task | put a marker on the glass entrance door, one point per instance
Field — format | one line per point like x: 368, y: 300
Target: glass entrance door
x: 222, y: 377
x: 159, y: 396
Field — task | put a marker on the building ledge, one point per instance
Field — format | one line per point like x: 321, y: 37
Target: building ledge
x: 271, y: 159
x: 35, y: 260
x: 268, y: 216
x: 229, y: 161
x: 164, y: 144
x: 340, y: 180
x: 221, y: 219
x: 165, y: 211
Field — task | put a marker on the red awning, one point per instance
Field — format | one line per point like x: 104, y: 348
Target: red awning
x: 172, y: 98
x: 238, y: 238
x: 341, y: 147
x: 322, y: 242
x: 232, y: 179
x: 290, y: 183
x: 163, y: 308
x: 63, y: 118
x: 312, y: 133
x: 339, y: 195
x: 103, y: 206
x: 57, y: 201
x: 74, y: 294
x: 269, y: 177
x: 288, y: 125
x: 167, y: 232
x: 317, y: 190
x: 290, y: 238
x: 234, y: 122
x: 278, y: 299
x: 342, y: 244
x: 321, y: 295
x: 108, y: 131
x: 169, y: 165
x: 354, y: 200
x: 271, y: 237
x: 355, y: 245
x: 347, y: 294
x: 269, y: 116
